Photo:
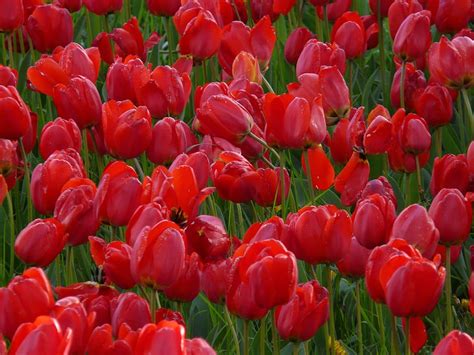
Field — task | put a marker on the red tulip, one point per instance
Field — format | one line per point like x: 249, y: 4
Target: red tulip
x: 273, y: 228
x: 317, y: 54
x: 378, y: 136
x: 399, y: 11
x: 48, y: 178
x: 449, y: 62
x: 199, y: 162
x: 335, y: 93
x: 214, y: 279
x: 9, y: 164
x: 206, y: 236
x: 26, y: 297
x: 45, y: 333
x: 320, y: 234
x: 198, y: 346
x: 379, y: 186
x: 118, y: 194
x: 11, y: 17
x: 372, y: 220
x: 103, y: 7
x: 349, y: 33
x: 164, y: 337
x: 79, y: 100
x: 450, y: 205
x: 121, y: 78
x: 14, y: 114
x: 320, y: 168
x: 295, y: 43
x: 8, y: 76
x: 77, y: 61
x: 246, y: 67
x: 131, y: 309
x: 416, y: 227
x: 214, y: 146
x: 413, y: 133
x: 452, y: 16
x: 188, y: 285
x: 158, y: 255
x: 50, y: 26
x: 352, y: 179
x: 271, y: 8
x: 101, y: 340
x: 334, y: 9
x: 163, y: 7
x: 383, y: 4
x: 75, y: 210
x: 58, y: 135
x: 145, y: 216
x: 3, y: 189
x: 70, y: 5
x: 450, y: 171
x: 456, y: 342
x: 435, y: 105
x: 414, y: 81
x: 304, y: 314
x: 45, y: 74
x: 413, y: 38
x: 371, y: 31
x: 353, y: 264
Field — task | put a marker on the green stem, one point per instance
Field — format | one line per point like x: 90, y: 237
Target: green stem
x: 282, y: 185
x: 276, y: 340
x: 438, y: 137
x: 141, y: 174
x: 378, y: 309
x: 246, y: 337
x: 332, y: 328
x: 10, y: 51
x: 394, y: 335
x: 470, y: 116
x: 359, y: 319
x: 264, y: 144
x: 169, y: 30
x: 296, y: 348
x: 4, y: 50
x: 407, y: 336
x: 230, y: 323
x: 402, y: 85
x: 308, y: 174
x: 306, y: 347
x: 449, y: 310
x: 12, y: 233
x: 27, y: 180
x: 326, y: 23
x: 382, y: 54
x: 418, y: 176
x: 263, y: 334
x: 267, y: 84
x: 85, y: 150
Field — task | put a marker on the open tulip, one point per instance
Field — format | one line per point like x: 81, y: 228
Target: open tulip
x: 207, y: 236
x: 77, y: 61
x: 352, y: 178
x: 377, y: 137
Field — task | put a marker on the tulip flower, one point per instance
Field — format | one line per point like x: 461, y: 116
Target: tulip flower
x: 435, y: 105
x: 120, y: 78
x: 414, y: 81
x: 246, y: 67
x: 379, y: 186
x: 101, y: 340
x: 206, y: 235
x: 452, y: 16
x: 378, y: 136
x: 164, y: 337
x: 45, y: 74
x: 14, y: 114
x: 214, y: 279
x: 50, y: 26
x: 147, y: 215
x: 48, y: 178
x: 197, y: 346
x: 199, y: 162
x: 413, y: 38
x: 103, y: 7
x: 335, y: 93
x: 372, y: 220
x: 316, y: 54
x: 295, y: 43
x: 304, y: 314
x: 399, y: 11
x: 188, y: 285
x: 371, y: 31
x: 352, y: 178
x: 273, y: 228
x: 349, y: 33
x: 70, y: 5
x: 8, y: 76
x: 118, y: 194
x: 45, y: 333
x: 12, y: 18
x: 412, y: 133
x: 26, y: 297
x: 320, y: 234
x: 131, y: 309
x: 163, y: 7
x: 320, y: 168
x: 456, y: 342
x: 9, y: 164
x: 383, y: 4
x: 334, y: 9
x: 450, y: 205
x: 170, y: 138
x: 77, y: 61
x: 58, y: 135
x: 416, y: 227
x: 450, y: 171
x: 79, y: 100
x: 75, y: 210
x: 354, y: 262
x: 158, y: 255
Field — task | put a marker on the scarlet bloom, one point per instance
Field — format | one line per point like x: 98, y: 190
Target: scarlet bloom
x: 127, y: 128
x: 352, y: 179
x: 79, y: 100
x: 354, y: 262
x: 455, y: 342
x: 316, y: 54
x: 188, y: 285
x: 377, y: 137
x: 207, y: 236
x: 246, y: 67
x: 349, y: 33
x: 146, y: 215
x: 164, y: 337
x: 414, y: 82
x: 8, y: 76
x: 452, y: 16
x: 450, y: 171
x: 263, y: 275
x: 412, y: 132
x: 45, y: 74
x: 197, y: 346
x: 163, y: 7
x: 170, y: 137
x: 450, y: 205
x: 131, y: 309
x: 372, y: 220
x: 450, y: 64
x: 158, y: 255
x: 49, y: 178
x: 335, y: 93
x: 320, y: 168
x: 45, y: 333
x: 121, y: 76
x: 50, y: 26
x: 416, y: 227
x: 12, y: 18
x: 273, y: 228
x: 384, y: 6
x: 119, y: 193
x: 71, y: 5
x: 413, y: 38
x: 435, y: 105
x: 101, y: 340
x: 295, y: 43
x: 320, y: 234
x: 334, y: 9
x: 399, y: 11
x: 304, y: 314
x: 14, y: 114
x: 58, y: 135
x: 103, y: 7
x: 75, y: 61
x: 26, y: 297
x: 214, y: 279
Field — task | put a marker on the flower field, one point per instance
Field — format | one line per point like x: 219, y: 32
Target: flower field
x: 199, y: 177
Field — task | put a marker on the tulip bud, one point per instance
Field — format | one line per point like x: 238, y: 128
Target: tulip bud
x: 414, y: 135
x: 399, y: 11
x: 352, y: 178
x: 206, y: 235
x: 452, y: 16
x: 8, y: 76
x: 335, y: 93
x: 14, y: 114
x: 450, y: 171
x: 435, y: 105
x: 103, y: 7
x: 295, y: 43
x: 413, y: 38
x: 12, y: 16
x: 58, y: 135
x: 414, y: 82
x: 131, y: 309
x: 188, y: 285
x: 164, y: 337
x: 349, y: 33
x: 317, y: 54
x: 163, y: 8
x: 246, y: 67
x: 454, y: 342
x: 354, y: 262
x: 144, y: 216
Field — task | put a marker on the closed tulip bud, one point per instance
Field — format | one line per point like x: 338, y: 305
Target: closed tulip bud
x: 352, y: 178
x: 50, y: 26
x: 456, y: 342
x: 304, y: 314
x: 414, y: 82
x: 158, y: 256
x: 206, y: 235
x: 11, y: 17
x: 188, y: 285
x: 413, y: 134
x: 413, y: 38
x: 273, y: 228
x: 435, y: 105
x: 70, y: 5
x: 399, y: 11
x: 320, y: 234
x: 452, y: 16
x: 416, y: 227
x: 77, y: 61
x: 379, y: 186
x: 198, y: 346
x: 349, y: 33
x: 164, y: 337
x: 371, y: 31
x: 14, y: 114
x: 246, y: 67
x: 79, y: 100
x: 372, y: 220
x: 121, y: 76
x: 163, y: 7
x: 380, y: 5
x: 145, y: 216
x: 131, y: 309
x: 118, y: 194
x: 377, y: 137
x: 320, y: 168
x: 317, y: 54
x: 450, y: 205
x: 295, y: 43
x: 334, y: 9
x: 214, y: 279
x: 103, y: 7
x: 202, y: 36
x: 48, y: 178
x: 353, y: 264
x: 335, y: 93
x: 101, y: 340
x: 450, y: 171
x: 8, y: 76
x: 40, y: 242
x: 58, y: 135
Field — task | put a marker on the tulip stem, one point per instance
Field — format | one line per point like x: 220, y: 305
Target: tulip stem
x: 264, y: 144
x: 449, y: 311
x: 10, y: 51
x: 263, y: 334
x: 418, y: 176
x: 332, y: 329
x: 306, y: 347
x: 379, y: 311
x: 402, y: 85
x: 382, y: 53
x: 359, y: 319
x: 395, y: 349
x: 276, y: 340
x: 246, y: 337
x: 168, y: 35
x: 308, y: 174
x: 27, y: 179
x: 100, y: 163
x: 267, y: 84
x: 4, y: 51
x: 326, y: 23
x: 232, y: 330
x: 139, y: 168
x: 268, y: 162
x: 407, y: 336
x: 438, y: 137
x: 296, y: 348
x: 12, y: 233
x: 470, y: 116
